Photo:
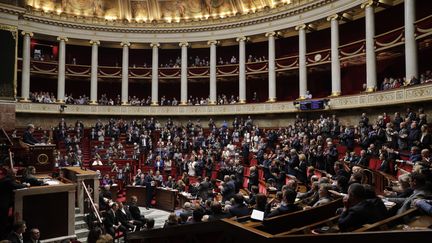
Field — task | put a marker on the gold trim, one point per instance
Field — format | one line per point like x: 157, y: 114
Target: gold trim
x: 60, y: 102
x: 183, y: 103
x: 212, y: 102
x: 93, y: 102
x: 10, y: 28
x: 301, y: 98
x: 242, y: 101
x: 25, y: 100
x: 42, y: 159
x: 335, y: 93
x: 154, y: 103
x: 370, y: 89
x: 271, y: 100
x: 125, y: 103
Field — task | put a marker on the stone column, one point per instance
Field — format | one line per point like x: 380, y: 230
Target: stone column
x: 302, y: 61
x: 242, y: 69
x: 61, y: 69
x: 411, y: 68
x: 125, y: 73
x: 371, y: 76
x: 94, y: 72
x: 335, y: 61
x: 155, y: 73
x: 25, y: 78
x: 271, y: 67
x: 213, y: 86
x: 184, y: 75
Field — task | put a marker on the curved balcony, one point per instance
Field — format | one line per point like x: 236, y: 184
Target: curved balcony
x: 348, y: 52
x: 420, y: 93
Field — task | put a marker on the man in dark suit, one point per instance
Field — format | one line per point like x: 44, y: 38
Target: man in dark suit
x: 364, y: 159
x: 7, y: 187
x: 34, y: 236
x: 287, y: 205
x: 135, y: 211
x: 16, y: 235
x: 112, y: 223
x: 28, y: 135
x: 227, y: 189
x: 239, y: 209
x: 358, y: 210
x: 203, y: 188
x: 150, y: 184
x: 125, y: 218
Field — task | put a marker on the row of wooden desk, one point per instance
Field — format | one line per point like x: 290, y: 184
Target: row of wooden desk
x: 166, y: 199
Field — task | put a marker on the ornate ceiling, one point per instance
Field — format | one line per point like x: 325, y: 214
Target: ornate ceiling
x: 159, y: 10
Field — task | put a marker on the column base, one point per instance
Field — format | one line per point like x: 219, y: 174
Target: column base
x: 301, y: 98
x: 271, y: 100
x: 242, y: 101
x: 370, y: 89
x: 60, y: 101
x: 125, y: 103
x: 25, y: 100
x: 212, y: 102
x: 154, y: 103
x: 335, y: 93
x: 183, y: 103
x: 93, y: 102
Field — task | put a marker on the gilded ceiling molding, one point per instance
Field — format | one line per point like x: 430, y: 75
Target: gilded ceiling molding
x: 95, y: 24
x: 154, y: 45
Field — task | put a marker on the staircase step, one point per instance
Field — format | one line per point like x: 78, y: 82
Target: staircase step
x: 81, y: 233
x: 81, y: 224
x: 79, y: 216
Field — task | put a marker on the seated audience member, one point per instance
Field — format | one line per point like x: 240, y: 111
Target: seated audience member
x: 16, y: 235
x: 135, y: 211
x: 186, y: 212
x: 197, y: 216
x: 94, y: 235
x: 403, y: 190
x: 149, y: 224
x: 420, y: 190
x: 92, y: 219
x: 287, y: 204
x: 239, y: 209
x: 112, y: 223
x: 34, y: 236
x: 171, y: 221
x: 324, y: 195
x: 217, y: 211
x: 424, y: 205
x: 358, y: 210
x: 125, y: 217
x: 28, y: 177
x: 28, y: 135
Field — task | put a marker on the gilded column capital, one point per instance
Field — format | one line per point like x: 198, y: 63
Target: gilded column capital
x: 94, y: 42
x: 369, y: 3
x: 62, y: 38
x: 27, y: 33
x: 334, y: 17
x: 242, y: 38
x: 154, y: 45
x: 125, y: 43
x: 213, y: 42
x: 184, y: 43
x: 272, y: 34
x: 301, y: 27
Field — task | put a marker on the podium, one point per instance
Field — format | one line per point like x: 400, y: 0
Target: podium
x: 49, y: 208
x: 42, y: 157
x: 90, y: 179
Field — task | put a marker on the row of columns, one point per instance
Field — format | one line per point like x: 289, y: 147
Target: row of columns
x: 371, y: 75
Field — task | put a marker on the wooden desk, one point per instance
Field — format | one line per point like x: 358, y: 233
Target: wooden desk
x: 166, y: 199
x: 49, y: 208
x: 90, y: 179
